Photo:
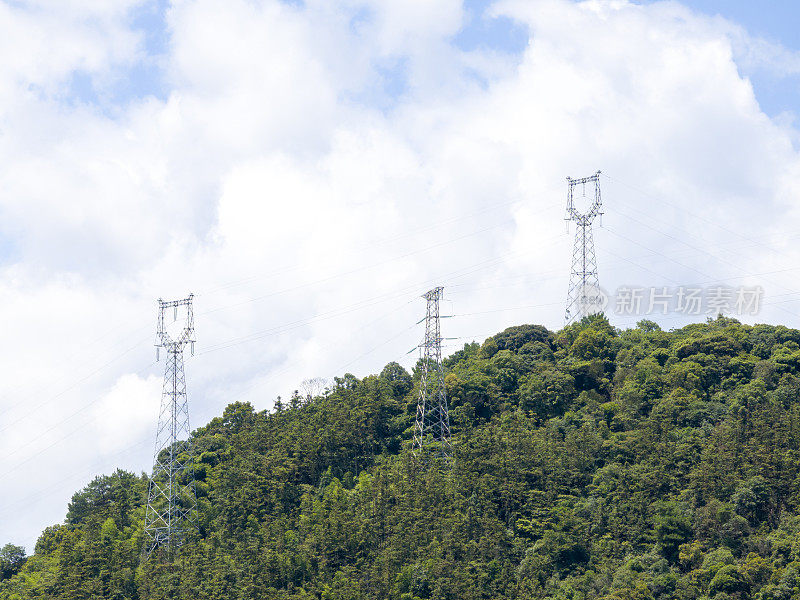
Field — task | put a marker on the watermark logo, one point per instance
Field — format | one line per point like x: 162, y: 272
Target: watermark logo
x: 591, y: 299
x: 686, y: 300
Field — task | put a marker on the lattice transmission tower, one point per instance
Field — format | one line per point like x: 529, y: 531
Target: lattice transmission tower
x: 171, y: 498
x: 432, y: 427
x: 584, y: 296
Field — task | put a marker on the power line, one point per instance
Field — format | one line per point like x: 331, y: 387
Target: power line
x: 35, y: 407
x: 486, y: 208
x: 40, y: 493
x: 694, y: 215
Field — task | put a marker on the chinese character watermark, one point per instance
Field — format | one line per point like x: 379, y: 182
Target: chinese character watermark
x: 687, y: 300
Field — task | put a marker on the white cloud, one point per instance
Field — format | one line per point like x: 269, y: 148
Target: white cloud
x: 307, y: 207
x: 44, y: 43
x: 127, y: 412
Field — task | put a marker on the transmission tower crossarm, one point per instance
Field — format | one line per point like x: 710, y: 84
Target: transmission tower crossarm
x: 583, y: 180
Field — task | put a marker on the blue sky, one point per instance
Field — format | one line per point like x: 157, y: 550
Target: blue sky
x: 774, y: 20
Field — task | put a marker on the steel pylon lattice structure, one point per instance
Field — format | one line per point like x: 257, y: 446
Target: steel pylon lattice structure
x: 171, y: 499
x: 584, y: 296
x: 432, y: 426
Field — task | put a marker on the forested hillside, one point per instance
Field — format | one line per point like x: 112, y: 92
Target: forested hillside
x: 590, y: 463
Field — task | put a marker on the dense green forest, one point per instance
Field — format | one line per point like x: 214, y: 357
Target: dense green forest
x: 590, y: 463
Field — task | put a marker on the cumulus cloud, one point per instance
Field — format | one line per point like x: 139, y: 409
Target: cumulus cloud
x: 126, y: 411
x: 312, y: 169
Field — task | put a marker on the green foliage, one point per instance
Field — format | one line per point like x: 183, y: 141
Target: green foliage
x: 11, y: 560
x: 591, y: 464
x: 672, y: 527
